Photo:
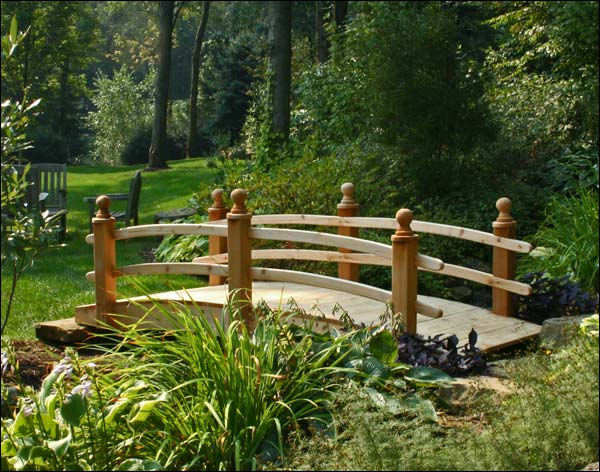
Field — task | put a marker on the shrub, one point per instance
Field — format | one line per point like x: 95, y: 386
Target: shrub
x: 182, y: 248
x: 568, y: 240
x: 550, y: 422
x: 554, y: 297
x: 123, y: 108
x: 442, y: 353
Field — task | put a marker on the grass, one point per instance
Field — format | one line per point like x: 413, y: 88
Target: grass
x: 550, y: 422
x: 56, y: 283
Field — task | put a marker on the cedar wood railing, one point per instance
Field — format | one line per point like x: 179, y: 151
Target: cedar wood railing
x: 230, y: 254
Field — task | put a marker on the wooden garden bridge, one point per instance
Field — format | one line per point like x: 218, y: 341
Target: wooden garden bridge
x: 233, y: 278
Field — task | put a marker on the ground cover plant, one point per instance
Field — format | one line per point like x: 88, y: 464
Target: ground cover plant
x: 207, y: 395
x: 548, y: 422
x: 42, y: 295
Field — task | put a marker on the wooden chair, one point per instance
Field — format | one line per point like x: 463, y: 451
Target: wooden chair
x: 52, y: 188
x: 133, y: 199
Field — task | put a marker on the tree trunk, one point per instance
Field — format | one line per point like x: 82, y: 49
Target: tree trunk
x: 339, y: 10
x: 157, y: 154
x: 321, y: 40
x: 192, y: 143
x: 280, y: 38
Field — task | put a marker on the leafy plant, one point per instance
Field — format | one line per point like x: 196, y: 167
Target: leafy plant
x: 25, y: 231
x: 72, y: 423
x: 590, y: 325
x: 180, y: 248
x: 554, y: 297
x: 568, y: 240
x: 442, y: 353
x: 123, y: 108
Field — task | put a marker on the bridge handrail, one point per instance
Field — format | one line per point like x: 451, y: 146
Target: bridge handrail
x: 231, y: 232
x: 391, y: 224
x: 425, y: 263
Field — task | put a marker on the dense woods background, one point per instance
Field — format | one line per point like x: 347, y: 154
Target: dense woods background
x: 438, y: 106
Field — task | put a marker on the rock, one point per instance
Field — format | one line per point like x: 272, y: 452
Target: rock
x: 66, y: 331
x: 556, y: 332
x: 592, y: 466
x: 461, y: 391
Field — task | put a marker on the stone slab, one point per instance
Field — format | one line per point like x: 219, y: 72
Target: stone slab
x: 65, y: 331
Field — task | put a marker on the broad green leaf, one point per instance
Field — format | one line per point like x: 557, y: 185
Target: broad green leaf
x: 8, y: 448
x: 13, y: 30
x: 142, y: 410
x: 114, y: 410
x: 428, y: 377
x: 423, y: 407
x: 21, y: 426
x: 383, y: 346
x: 50, y: 404
x: 73, y: 409
x: 61, y: 446
x: 50, y: 425
x: 385, y: 401
x: 47, y: 386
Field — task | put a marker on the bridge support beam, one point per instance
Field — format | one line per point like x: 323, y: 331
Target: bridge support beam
x: 405, y: 244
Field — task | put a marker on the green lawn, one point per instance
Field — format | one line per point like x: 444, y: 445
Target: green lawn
x: 56, y: 283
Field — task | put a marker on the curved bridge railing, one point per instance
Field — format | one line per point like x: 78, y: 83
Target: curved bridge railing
x: 230, y: 256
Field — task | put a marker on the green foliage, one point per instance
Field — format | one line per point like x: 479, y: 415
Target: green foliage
x: 76, y: 422
x: 568, y: 240
x: 123, y: 112
x: 182, y: 248
x: 589, y: 326
x: 546, y: 67
x: 62, y: 44
x: 25, y: 231
x: 549, y: 422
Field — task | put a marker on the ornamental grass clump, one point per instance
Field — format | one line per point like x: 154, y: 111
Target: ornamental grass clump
x: 234, y: 396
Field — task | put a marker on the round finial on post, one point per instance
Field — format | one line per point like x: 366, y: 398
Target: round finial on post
x: 504, y: 206
x: 348, y: 194
x: 217, y: 196
x: 239, y: 201
x: 404, y: 217
x: 103, y: 203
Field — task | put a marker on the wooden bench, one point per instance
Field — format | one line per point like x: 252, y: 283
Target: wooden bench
x: 52, y: 185
x: 47, y: 190
x: 132, y: 199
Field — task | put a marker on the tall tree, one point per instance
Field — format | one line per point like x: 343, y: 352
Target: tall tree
x: 321, y: 35
x: 339, y: 10
x: 280, y: 43
x: 192, y: 143
x: 167, y: 14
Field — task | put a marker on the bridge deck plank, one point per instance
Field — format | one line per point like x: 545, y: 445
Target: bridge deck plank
x: 493, y: 331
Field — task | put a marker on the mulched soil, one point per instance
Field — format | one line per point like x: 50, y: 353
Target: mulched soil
x: 35, y: 360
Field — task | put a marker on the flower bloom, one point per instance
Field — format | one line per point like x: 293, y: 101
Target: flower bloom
x: 64, y: 366
x: 84, y: 388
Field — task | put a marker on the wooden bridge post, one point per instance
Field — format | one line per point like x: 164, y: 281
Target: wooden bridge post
x: 239, y: 250
x: 104, y: 260
x: 405, y: 244
x: 348, y: 208
x: 503, y: 259
x: 217, y: 244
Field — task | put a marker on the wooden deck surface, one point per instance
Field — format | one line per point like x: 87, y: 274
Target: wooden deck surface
x: 493, y: 331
